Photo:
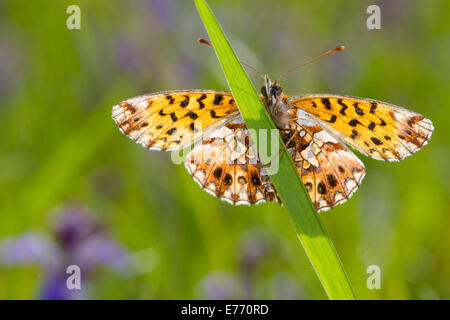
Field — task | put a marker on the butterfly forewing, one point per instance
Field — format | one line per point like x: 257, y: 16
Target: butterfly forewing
x: 377, y: 129
x: 174, y: 119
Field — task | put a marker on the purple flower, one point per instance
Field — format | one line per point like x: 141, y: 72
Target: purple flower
x: 219, y: 285
x: 163, y: 10
x: 136, y: 59
x: 253, y: 249
x: 250, y: 281
x: 284, y: 287
x: 76, y: 238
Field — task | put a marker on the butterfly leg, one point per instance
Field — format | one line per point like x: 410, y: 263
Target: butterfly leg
x: 277, y: 103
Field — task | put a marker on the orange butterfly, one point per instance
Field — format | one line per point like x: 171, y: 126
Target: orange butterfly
x: 315, y: 128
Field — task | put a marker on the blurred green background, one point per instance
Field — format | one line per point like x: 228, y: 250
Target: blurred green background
x: 60, y: 146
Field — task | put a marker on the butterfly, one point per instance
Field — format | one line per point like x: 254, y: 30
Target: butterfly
x: 316, y: 129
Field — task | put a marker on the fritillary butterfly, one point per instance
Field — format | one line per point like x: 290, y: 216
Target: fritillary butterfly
x: 315, y: 127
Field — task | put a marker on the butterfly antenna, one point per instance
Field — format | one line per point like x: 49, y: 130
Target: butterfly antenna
x: 340, y: 48
x: 207, y: 43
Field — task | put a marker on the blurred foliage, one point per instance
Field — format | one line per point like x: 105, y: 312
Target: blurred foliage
x: 60, y: 145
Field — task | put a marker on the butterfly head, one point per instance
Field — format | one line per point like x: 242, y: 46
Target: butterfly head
x: 271, y: 91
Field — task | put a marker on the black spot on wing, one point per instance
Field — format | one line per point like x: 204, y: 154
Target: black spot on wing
x: 332, y: 181
x: 343, y: 105
x: 255, y: 179
x: 171, y: 131
x: 373, y: 107
x: 192, y: 115
x: 376, y: 141
x: 354, y: 122
x: 333, y: 119
x: 326, y: 103
x: 173, y: 116
x: 321, y: 188
x: 185, y: 102
x: 170, y: 98
x: 217, y: 172
x: 200, y: 102
x: 217, y: 99
x: 228, y: 179
x: 358, y: 110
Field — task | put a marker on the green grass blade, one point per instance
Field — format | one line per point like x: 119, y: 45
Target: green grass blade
x: 307, y: 223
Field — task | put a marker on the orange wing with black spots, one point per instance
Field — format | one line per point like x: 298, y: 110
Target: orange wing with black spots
x: 227, y: 165
x: 377, y: 129
x: 330, y: 172
x: 174, y: 119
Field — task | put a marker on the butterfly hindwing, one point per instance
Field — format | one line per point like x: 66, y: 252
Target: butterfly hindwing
x: 377, y: 129
x: 329, y: 171
x: 174, y: 119
x: 226, y: 164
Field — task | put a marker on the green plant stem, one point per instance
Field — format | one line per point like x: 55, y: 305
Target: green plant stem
x: 287, y: 181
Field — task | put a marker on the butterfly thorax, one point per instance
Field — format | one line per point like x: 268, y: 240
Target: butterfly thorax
x: 273, y: 98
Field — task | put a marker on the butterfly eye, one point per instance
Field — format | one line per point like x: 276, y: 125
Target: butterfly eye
x: 264, y: 92
x: 279, y: 90
x: 275, y: 90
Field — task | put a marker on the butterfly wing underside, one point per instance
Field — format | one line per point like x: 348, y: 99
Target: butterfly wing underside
x: 330, y: 172
x: 377, y: 129
x: 174, y: 119
x: 227, y: 165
